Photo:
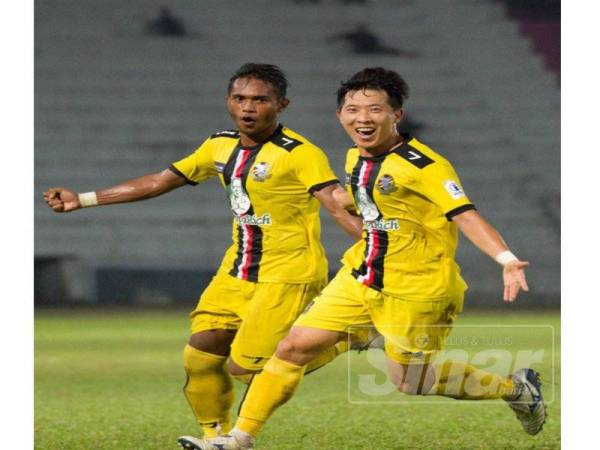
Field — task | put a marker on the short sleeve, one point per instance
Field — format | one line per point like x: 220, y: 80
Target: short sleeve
x: 311, y: 166
x: 198, y: 166
x: 440, y: 184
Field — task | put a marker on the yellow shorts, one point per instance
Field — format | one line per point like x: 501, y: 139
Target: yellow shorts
x: 261, y: 312
x: 414, y: 330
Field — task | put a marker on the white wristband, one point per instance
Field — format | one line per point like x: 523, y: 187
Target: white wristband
x: 87, y: 199
x: 505, y: 257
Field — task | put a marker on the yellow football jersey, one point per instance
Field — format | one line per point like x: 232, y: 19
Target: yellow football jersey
x: 406, y: 199
x: 276, y: 227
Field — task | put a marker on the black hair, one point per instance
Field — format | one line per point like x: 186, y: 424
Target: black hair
x: 376, y: 78
x: 268, y: 73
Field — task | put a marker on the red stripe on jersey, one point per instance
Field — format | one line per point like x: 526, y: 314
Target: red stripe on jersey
x: 365, y: 171
x: 247, y: 260
x: 240, y: 163
x: 368, y: 278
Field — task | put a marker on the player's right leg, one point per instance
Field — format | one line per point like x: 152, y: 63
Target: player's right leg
x: 214, y: 323
x: 277, y: 382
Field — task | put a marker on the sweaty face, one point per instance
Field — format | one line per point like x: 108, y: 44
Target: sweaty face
x: 254, y: 107
x: 369, y: 120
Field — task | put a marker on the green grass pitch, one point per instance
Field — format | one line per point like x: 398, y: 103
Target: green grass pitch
x: 113, y: 380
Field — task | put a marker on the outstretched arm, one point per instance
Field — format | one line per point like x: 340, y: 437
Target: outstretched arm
x: 328, y: 197
x: 489, y: 241
x: 148, y: 186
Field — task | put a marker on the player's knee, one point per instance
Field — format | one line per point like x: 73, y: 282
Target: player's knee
x: 238, y: 371
x: 217, y: 342
x: 286, y: 348
x: 292, y: 350
x: 413, y: 380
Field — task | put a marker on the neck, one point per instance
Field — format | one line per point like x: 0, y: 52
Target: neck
x: 250, y: 140
x: 390, y: 144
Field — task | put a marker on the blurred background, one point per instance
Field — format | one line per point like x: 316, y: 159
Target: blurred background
x: 123, y: 89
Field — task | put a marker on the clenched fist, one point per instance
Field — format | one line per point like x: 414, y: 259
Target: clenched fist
x: 61, y: 199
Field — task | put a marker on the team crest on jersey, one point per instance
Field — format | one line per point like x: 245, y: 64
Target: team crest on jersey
x: 386, y: 185
x: 261, y: 171
x: 454, y: 189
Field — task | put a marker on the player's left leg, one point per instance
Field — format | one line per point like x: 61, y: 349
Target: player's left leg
x: 453, y: 379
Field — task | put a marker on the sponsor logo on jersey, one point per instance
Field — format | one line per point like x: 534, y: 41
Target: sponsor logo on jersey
x: 261, y: 171
x: 386, y: 185
x: 253, y: 219
x: 366, y: 206
x: 382, y: 225
x: 454, y: 189
x: 238, y: 198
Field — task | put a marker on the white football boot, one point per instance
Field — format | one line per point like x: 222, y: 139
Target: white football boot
x: 236, y: 440
x: 529, y: 404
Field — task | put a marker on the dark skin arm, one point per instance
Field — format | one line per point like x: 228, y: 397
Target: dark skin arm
x: 64, y: 200
x: 350, y: 224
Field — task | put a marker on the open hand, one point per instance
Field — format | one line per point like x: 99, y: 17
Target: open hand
x: 514, y: 279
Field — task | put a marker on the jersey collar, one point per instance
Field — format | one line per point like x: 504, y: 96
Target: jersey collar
x: 405, y: 139
x: 273, y: 135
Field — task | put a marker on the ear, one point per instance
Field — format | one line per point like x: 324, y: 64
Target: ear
x: 283, y: 103
x: 337, y: 114
x: 399, y: 114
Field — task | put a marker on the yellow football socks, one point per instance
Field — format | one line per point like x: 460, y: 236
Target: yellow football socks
x: 458, y: 380
x: 327, y: 356
x: 209, y: 390
x: 269, y: 389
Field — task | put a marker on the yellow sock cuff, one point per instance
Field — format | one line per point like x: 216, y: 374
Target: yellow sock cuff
x: 250, y: 426
x: 342, y: 346
x: 507, y: 389
x: 270, y: 389
x: 193, y: 355
x: 282, y: 368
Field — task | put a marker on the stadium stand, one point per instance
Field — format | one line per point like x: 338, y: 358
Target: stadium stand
x: 113, y: 103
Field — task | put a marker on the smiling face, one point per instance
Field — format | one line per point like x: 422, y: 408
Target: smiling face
x: 254, y: 107
x: 370, y: 121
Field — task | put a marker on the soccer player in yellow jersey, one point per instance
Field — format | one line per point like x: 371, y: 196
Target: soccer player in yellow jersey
x: 275, y: 180
x: 402, y: 277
